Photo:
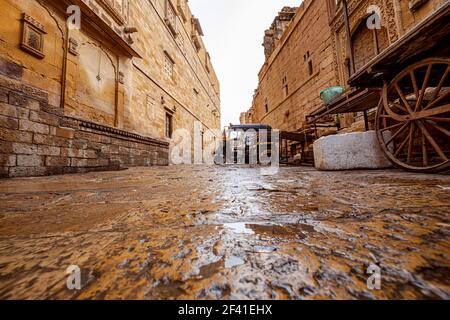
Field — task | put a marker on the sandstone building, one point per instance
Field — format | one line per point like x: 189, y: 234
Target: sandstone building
x: 320, y: 45
x: 299, y: 63
x: 106, y: 96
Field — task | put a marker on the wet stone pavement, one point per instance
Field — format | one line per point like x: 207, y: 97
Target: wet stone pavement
x: 196, y: 232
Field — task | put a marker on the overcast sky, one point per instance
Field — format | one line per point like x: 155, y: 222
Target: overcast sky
x: 234, y: 31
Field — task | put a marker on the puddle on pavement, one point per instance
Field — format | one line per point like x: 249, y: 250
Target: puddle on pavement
x: 240, y: 227
x: 264, y: 249
x: 289, y: 231
x: 285, y: 231
x: 233, y: 261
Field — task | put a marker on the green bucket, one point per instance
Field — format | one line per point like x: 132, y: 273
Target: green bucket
x: 330, y: 94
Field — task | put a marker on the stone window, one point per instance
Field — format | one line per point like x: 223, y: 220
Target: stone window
x: 285, y: 87
x: 266, y: 105
x: 181, y: 6
x: 196, y: 33
x: 195, y: 92
x: 169, y: 125
x: 168, y: 65
x: 416, y: 4
x: 308, y: 60
x: 171, y: 17
x: 367, y: 44
x: 180, y: 42
x: 310, y: 67
x: 33, y: 36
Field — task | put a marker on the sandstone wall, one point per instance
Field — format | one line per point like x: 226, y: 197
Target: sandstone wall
x: 37, y: 139
x: 107, y: 77
x: 303, y: 60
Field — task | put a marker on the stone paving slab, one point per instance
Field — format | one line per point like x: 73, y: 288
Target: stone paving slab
x: 194, y: 232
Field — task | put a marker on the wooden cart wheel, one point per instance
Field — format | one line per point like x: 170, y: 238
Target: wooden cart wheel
x: 413, y: 118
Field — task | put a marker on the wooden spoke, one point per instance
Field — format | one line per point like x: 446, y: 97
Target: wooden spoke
x: 432, y: 141
x: 424, y: 151
x: 402, y: 145
x: 397, y: 133
x: 414, y: 83
x: 441, y: 84
x: 443, y: 130
x: 436, y: 102
x: 403, y: 98
x: 399, y: 106
x: 424, y: 88
x: 411, y: 142
x: 392, y: 127
x: 436, y: 119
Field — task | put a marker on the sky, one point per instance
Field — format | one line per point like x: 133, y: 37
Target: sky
x: 234, y: 31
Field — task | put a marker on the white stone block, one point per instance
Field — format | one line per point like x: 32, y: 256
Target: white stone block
x: 358, y: 150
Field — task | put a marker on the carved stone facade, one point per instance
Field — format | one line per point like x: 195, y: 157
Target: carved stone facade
x: 273, y: 35
x: 313, y: 54
x: 396, y: 19
x: 105, y: 85
x: 300, y: 65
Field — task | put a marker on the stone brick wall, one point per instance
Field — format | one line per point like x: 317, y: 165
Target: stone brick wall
x: 36, y: 139
x: 105, y: 75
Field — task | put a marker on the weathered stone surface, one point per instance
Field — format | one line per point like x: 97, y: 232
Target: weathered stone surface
x: 51, y: 140
x: 7, y: 160
x: 16, y: 172
x: 31, y: 126
x: 57, y: 161
x: 72, y: 152
x: 65, y: 133
x: 16, y: 135
x: 48, y: 150
x: 8, y: 110
x: 8, y: 123
x: 24, y: 148
x: 10, y: 69
x: 21, y: 100
x: 309, y: 234
x: 29, y: 161
x: 359, y: 150
x: 75, y: 162
x: 45, y: 118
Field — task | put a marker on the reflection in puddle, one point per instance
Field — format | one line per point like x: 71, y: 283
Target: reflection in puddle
x: 264, y: 249
x: 288, y: 231
x: 233, y: 261
x: 291, y: 231
x: 239, y: 228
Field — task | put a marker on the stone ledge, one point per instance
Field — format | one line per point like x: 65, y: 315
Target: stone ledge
x: 88, y: 126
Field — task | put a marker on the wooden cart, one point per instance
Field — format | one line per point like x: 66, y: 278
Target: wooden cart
x: 413, y: 117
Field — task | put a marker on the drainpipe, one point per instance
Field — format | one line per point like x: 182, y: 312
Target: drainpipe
x: 64, y: 68
x: 349, y: 37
